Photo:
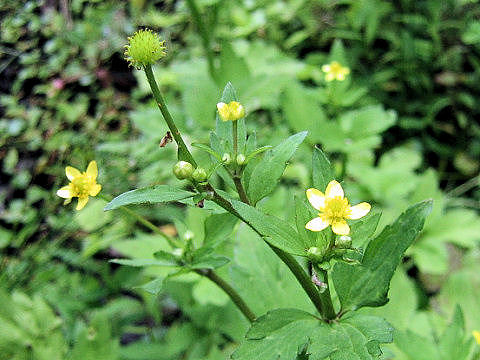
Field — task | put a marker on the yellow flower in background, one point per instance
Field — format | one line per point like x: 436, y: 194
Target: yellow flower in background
x: 335, y: 71
x: 231, y: 111
x: 476, y: 335
x: 82, y: 185
x: 334, y: 209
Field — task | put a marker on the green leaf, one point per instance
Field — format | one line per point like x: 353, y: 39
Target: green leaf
x: 151, y: 195
x: 144, y: 262
x: 367, y: 284
x: 272, y: 229
x: 322, y: 171
x: 362, y: 230
x: 303, y: 112
x: 218, y: 227
x: 266, y: 174
x: 209, y: 262
x: 282, y: 334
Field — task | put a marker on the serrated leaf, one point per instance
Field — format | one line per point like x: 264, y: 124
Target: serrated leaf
x: 150, y: 195
x: 218, y: 227
x: 273, y: 230
x: 282, y: 334
x: 367, y: 284
x: 266, y: 174
x: 322, y: 171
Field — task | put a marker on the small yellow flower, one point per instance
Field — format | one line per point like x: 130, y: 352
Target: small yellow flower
x: 334, y: 209
x: 144, y: 48
x: 231, y: 111
x: 335, y: 71
x: 476, y: 335
x: 81, y: 185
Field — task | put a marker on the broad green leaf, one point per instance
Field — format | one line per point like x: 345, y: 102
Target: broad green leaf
x: 272, y: 229
x: 362, y: 230
x: 303, y: 112
x: 262, y: 278
x: 151, y: 195
x: 322, y: 171
x: 303, y: 214
x: 218, y: 227
x: 266, y: 174
x: 282, y: 334
x: 209, y: 262
x: 367, y: 284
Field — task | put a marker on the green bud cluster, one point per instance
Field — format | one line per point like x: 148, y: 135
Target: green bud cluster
x: 183, y: 170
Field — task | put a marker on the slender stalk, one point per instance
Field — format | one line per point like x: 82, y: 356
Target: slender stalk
x: 235, y: 140
x: 151, y: 226
x: 231, y: 292
x: 236, y: 176
x: 183, y: 152
x: 204, y: 35
x: 240, y: 189
x: 326, y: 298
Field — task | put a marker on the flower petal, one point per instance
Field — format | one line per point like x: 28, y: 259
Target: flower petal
x: 317, y: 224
x: 81, y: 203
x: 334, y: 189
x: 358, y: 211
x: 71, y: 172
x: 340, y: 227
x: 92, y: 169
x: 64, y: 192
x: 95, y: 189
x: 316, y: 198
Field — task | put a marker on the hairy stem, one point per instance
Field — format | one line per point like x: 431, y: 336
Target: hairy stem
x: 326, y: 298
x: 240, y: 189
x: 204, y: 35
x: 183, y: 152
x: 231, y: 292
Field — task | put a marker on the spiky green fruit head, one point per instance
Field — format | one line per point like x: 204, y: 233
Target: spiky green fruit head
x: 144, y: 48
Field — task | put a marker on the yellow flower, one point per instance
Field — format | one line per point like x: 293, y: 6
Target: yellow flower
x: 81, y: 185
x: 476, y: 335
x: 231, y: 111
x: 335, y: 71
x: 334, y: 209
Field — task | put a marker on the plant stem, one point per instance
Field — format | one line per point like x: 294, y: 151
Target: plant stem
x: 326, y: 298
x: 240, y: 189
x: 148, y: 224
x: 231, y: 292
x: 235, y: 141
x: 236, y: 176
x: 204, y: 35
x: 183, y: 152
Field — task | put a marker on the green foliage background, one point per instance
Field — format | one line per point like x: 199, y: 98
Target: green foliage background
x: 403, y: 127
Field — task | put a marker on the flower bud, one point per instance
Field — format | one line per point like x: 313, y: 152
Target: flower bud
x: 226, y: 158
x: 144, y: 48
x: 315, y: 254
x: 188, y: 236
x: 231, y: 111
x: 343, y: 242
x: 241, y: 159
x: 199, y: 175
x: 183, y: 170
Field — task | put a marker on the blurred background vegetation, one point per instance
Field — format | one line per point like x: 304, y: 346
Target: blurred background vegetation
x: 403, y: 127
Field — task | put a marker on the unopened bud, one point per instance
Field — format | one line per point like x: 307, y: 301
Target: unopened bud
x: 199, y: 175
x: 241, y: 159
x: 177, y: 252
x: 183, y: 170
x: 315, y: 254
x: 231, y: 111
x: 188, y: 236
x: 226, y: 158
x: 343, y: 242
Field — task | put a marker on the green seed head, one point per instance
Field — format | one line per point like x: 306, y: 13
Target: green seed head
x: 144, y: 48
x: 183, y: 170
x: 343, y: 242
x: 241, y: 159
x: 315, y: 254
x: 226, y: 158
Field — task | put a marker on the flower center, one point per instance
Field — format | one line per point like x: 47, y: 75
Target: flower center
x: 335, y: 209
x: 81, y: 185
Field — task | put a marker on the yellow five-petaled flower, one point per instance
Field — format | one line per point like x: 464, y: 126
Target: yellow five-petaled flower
x: 334, y: 209
x: 231, y: 111
x: 335, y: 71
x: 82, y: 185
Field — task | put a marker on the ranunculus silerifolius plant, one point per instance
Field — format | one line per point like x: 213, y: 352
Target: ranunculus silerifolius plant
x: 319, y: 244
